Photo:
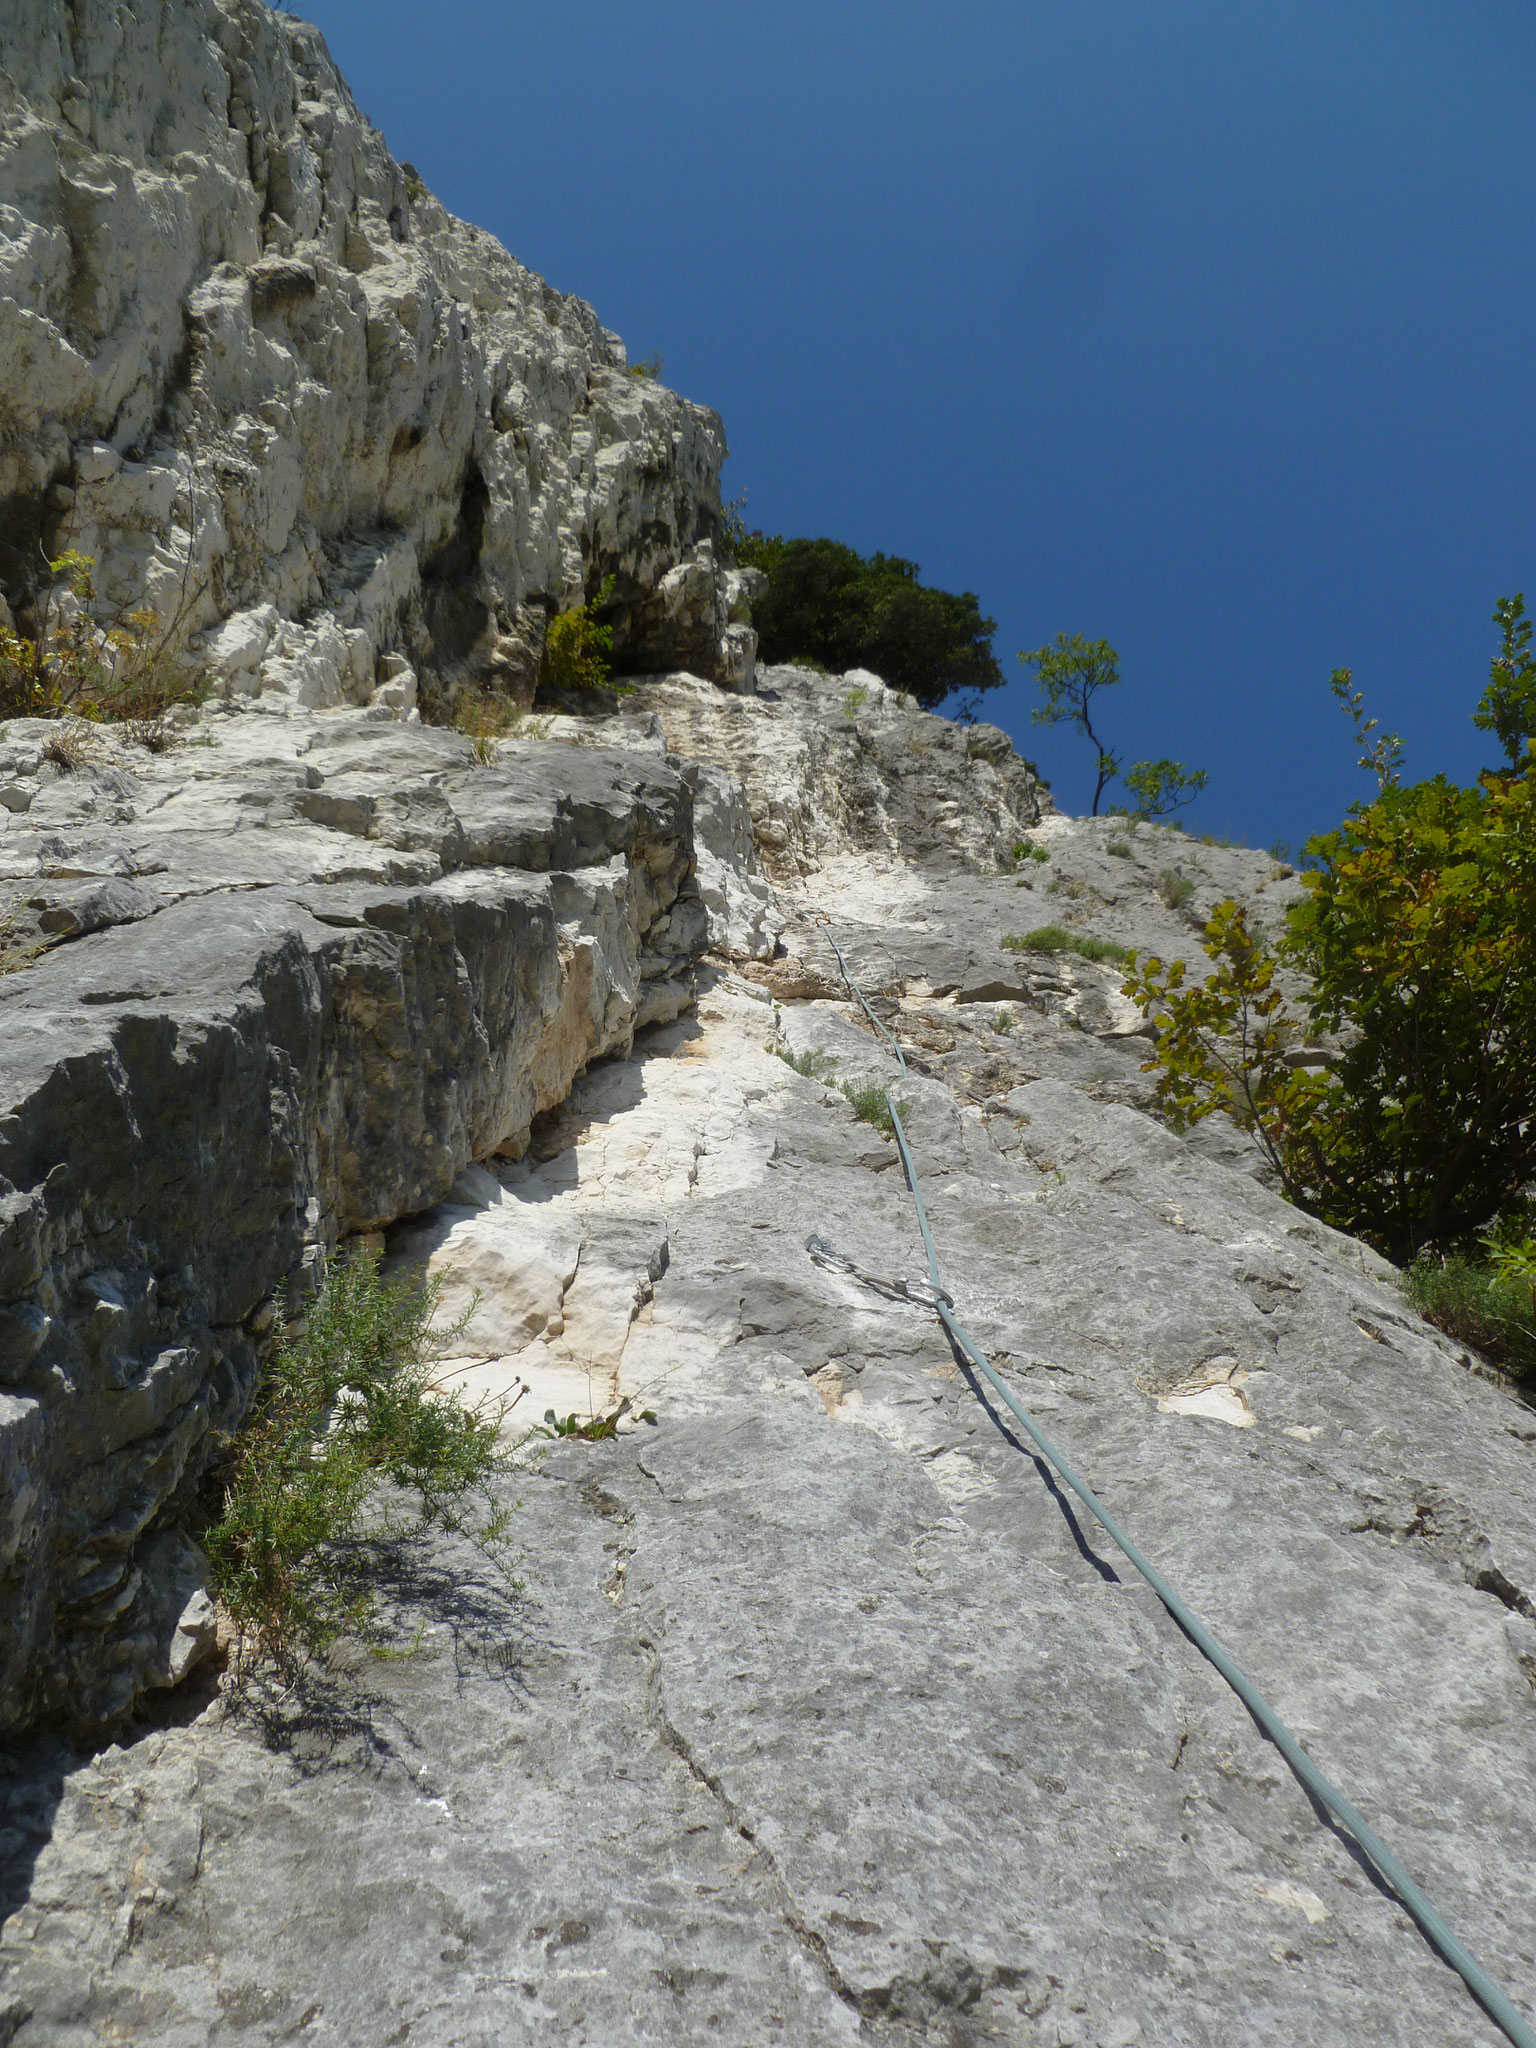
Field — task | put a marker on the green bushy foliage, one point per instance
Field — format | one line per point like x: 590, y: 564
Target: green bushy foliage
x: 1162, y: 787
x: 577, y: 652
x: 846, y: 610
x: 1491, y: 1306
x: 1055, y: 938
x: 125, y: 672
x: 1418, y: 934
x: 1174, y: 890
x: 344, y: 1409
x: 870, y: 1106
x: 1507, y: 707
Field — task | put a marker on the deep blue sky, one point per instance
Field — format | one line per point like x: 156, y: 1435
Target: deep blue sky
x: 1205, y: 325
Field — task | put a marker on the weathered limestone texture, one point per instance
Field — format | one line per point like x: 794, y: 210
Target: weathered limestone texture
x: 819, y: 1716
x: 303, y: 972
x: 255, y: 369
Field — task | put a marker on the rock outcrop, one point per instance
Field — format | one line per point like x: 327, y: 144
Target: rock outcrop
x: 257, y: 372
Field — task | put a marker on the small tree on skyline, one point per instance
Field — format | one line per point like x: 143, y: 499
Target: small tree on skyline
x: 1071, y: 673
x: 1162, y: 787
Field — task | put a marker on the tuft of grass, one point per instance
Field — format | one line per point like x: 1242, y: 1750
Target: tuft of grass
x: 1003, y: 1021
x: 1120, y: 848
x: 813, y: 1064
x: 870, y: 1106
x: 855, y: 700
x: 648, y: 369
x: 1055, y: 938
x: 348, y: 1443
x: 18, y: 947
x: 1030, y: 849
x: 1491, y: 1307
x: 1175, y: 889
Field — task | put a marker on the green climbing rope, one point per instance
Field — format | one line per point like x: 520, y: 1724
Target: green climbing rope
x: 1488, y: 1994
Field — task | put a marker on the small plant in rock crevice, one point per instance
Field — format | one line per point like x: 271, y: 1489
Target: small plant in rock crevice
x: 595, y: 1429
x: 1174, y: 890
x: 350, y: 1444
x: 812, y: 1064
x: 1030, y: 849
x: 125, y: 672
x: 1055, y: 938
x: 1489, y: 1303
x: 871, y: 1107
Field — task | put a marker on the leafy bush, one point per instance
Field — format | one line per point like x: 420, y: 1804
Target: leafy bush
x: 125, y: 672
x: 1030, y: 849
x: 1418, y: 934
x: 1507, y: 707
x: 870, y: 1106
x: 1055, y: 938
x: 1489, y: 1307
x: 1175, y: 889
x: 577, y: 652
x: 847, y: 610
x: 341, y: 1409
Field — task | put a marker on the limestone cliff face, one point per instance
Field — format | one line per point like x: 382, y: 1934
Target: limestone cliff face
x: 249, y: 358
x: 821, y: 1714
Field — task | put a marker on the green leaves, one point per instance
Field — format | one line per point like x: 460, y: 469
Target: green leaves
x: 1382, y: 756
x: 1417, y: 937
x: 1508, y: 706
x: 829, y: 604
x: 341, y: 1410
x: 1163, y: 787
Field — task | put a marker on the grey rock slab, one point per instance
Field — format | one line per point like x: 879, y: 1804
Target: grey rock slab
x: 822, y: 1712
x: 196, y: 1101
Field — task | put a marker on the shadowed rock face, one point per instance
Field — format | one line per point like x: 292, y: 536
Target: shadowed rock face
x: 257, y: 372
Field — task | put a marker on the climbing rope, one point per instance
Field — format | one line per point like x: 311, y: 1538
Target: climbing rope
x: 1436, y: 1932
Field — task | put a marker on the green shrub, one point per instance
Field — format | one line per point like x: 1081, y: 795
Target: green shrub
x: 648, y: 369
x: 577, y: 651
x: 847, y: 610
x: 1507, y: 707
x: 1477, y: 1304
x: 1055, y: 938
x: 1174, y: 889
x: 813, y: 1064
x: 1120, y: 848
x: 1030, y: 849
x: 1418, y: 930
x: 871, y: 1106
x: 125, y: 672
x: 341, y: 1411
